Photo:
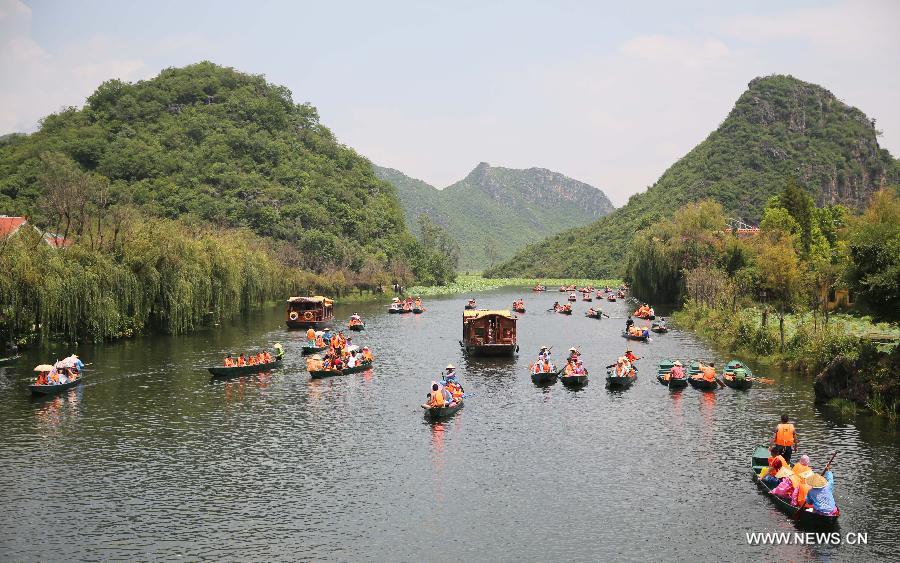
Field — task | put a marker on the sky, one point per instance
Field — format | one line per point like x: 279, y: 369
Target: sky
x: 607, y: 93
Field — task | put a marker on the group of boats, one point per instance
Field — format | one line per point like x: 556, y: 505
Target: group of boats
x: 735, y: 375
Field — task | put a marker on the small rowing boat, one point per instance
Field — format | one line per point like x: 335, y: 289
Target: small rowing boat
x: 642, y: 338
x: 730, y: 380
x: 807, y: 519
x: 418, y: 310
x: 662, y: 370
x: 574, y: 381
x: 611, y: 298
x: 620, y: 381
x: 357, y: 326
x: 587, y: 297
x: 233, y: 371
x: 695, y: 381
x: 9, y: 359
x: 363, y: 366
x: 440, y: 413
x: 546, y: 378
x: 53, y: 388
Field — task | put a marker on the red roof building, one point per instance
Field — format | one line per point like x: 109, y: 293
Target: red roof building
x: 10, y: 225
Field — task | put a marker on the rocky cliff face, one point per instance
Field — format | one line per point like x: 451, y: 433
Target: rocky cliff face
x: 510, y: 207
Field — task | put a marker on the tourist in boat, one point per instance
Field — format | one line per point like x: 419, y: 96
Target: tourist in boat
x: 707, y: 372
x: 629, y: 322
x: 802, y: 467
x: 544, y: 353
x: 675, y: 372
x: 352, y: 360
x: 787, y: 482
x: 315, y: 363
x: 455, y: 390
x: 785, y: 438
x: 449, y: 373
x: 251, y: 360
x: 579, y: 367
x: 645, y: 333
x: 821, y: 493
x: 629, y: 355
x: 242, y: 361
x: 229, y: 361
x: 310, y: 337
x: 570, y: 366
x: 366, y: 355
x: 770, y: 472
x: 279, y: 350
x: 574, y: 353
x: 439, y: 395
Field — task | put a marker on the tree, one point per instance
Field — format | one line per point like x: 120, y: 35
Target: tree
x: 873, y: 272
x: 436, y: 238
x: 801, y: 207
x: 490, y: 251
x: 779, y: 275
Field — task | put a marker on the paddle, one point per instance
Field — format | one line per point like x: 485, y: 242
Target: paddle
x: 765, y: 380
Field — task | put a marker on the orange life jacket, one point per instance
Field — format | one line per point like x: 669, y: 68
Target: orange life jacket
x: 320, y: 342
x: 229, y: 362
x: 241, y: 361
x: 784, y: 435
x: 800, y: 469
x: 802, y: 491
x: 437, y: 398
x: 546, y: 367
x: 709, y: 373
x: 310, y: 334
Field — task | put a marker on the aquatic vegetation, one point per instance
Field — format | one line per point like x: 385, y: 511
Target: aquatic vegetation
x: 845, y: 406
x: 474, y: 283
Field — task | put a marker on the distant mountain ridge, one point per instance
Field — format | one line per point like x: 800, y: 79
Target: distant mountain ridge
x: 780, y: 128
x: 511, y: 207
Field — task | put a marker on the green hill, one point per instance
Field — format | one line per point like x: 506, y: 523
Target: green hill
x: 506, y: 206
x: 209, y: 145
x: 780, y: 128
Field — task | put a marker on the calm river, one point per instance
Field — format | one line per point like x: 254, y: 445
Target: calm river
x: 150, y: 459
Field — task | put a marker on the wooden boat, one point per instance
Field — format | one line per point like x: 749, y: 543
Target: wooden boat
x: 471, y: 305
x: 641, y: 338
x: 310, y: 312
x: 418, y: 310
x: 574, y: 380
x: 594, y: 315
x: 518, y: 308
x: 662, y: 369
x: 729, y: 380
x: 611, y: 298
x: 489, y: 333
x: 9, y: 359
x: 357, y: 327
x: 538, y: 288
x: 53, y: 388
x: 222, y: 371
x: 439, y: 413
x: 587, y: 297
x: 546, y: 378
x: 620, y: 382
x: 564, y: 310
x: 318, y: 374
x: 659, y: 329
x: 310, y: 350
x: 806, y: 519
x: 395, y: 308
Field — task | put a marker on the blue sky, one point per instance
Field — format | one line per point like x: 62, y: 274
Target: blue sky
x: 606, y: 93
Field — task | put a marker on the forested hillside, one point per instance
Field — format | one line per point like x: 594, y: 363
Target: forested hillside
x: 199, y: 191
x: 780, y: 130
x: 494, y: 212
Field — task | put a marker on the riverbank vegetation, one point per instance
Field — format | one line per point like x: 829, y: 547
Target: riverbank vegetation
x: 772, y: 294
x: 471, y: 283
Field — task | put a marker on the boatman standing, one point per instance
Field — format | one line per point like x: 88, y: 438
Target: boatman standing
x: 785, y: 439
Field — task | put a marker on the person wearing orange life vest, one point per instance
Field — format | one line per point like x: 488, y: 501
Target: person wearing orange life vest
x: 229, y: 362
x: 629, y: 355
x: 241, y: 361
x: 310, y: 337
x: 707, y: 372
x: 366, y: 354
x: 785, y: 439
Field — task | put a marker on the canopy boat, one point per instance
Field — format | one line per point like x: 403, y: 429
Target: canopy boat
x: 53, y: 388
x: 471, y: 305
x: 586, y: 297
x: 573, y: 297
x: 599, y: 294
x: 564, y: 309
x: 659, y: 328
x: 697, y: 383
x: 309, y: 350
x: 611, y: 298
x: 806, y: 519
x: 310, y: 312
x: 546, y: 378
x: 574, y: 380
x: 518, y: 307
x: 439, y: 413
x: 626, y: 334
x: 594, y: 315
x: 357, y: 326
x: 233, y: 371
x: 362, y: 366
x: 489, y: 333
x: 730, y: 380
x: 9, y: 359
x: 620, y: 381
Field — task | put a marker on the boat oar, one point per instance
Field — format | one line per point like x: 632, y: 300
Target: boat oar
x: 765, y: 380
x: 721, y: 385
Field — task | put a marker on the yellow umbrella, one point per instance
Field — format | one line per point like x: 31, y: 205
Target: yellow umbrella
x: 43, y: 367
